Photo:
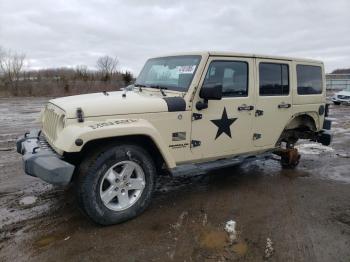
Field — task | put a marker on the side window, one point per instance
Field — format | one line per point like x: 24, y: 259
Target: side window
x: 309, y: 79
x: 273, y: 79
x: 231, y: 75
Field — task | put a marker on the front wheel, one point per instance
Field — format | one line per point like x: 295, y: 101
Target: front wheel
x: 116, y: 185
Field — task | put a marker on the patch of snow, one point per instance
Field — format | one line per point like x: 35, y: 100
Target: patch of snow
x: 313, y: 149
x: 340, y: 130
x: 337, y: 173
x: 230, y: 228
x: 205, y: 220
x: 28, y: 200
x: 180, y: 220
x: 269, y: 248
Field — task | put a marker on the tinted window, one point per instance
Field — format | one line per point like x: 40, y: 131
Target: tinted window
x: 309, y: 79
x: 232, y: 75
x: 274, y: 79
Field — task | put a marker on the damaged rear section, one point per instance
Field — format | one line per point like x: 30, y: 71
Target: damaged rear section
x: 305, y: 127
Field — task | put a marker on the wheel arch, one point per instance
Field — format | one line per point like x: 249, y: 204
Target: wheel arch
x: 144, y: 141
x: 307, y: 120
x: 300, y: 126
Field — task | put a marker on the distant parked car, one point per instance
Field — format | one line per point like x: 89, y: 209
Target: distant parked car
x: 342, y: 97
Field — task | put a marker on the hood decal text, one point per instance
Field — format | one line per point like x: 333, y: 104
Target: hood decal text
x: 112, y: 123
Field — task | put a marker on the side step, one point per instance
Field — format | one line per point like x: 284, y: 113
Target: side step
x: 204, y: 168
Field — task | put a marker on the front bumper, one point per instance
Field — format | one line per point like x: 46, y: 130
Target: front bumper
x: 343, y: 101
x: 41, y: 161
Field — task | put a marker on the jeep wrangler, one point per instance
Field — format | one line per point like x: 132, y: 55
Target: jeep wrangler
x: 185, y: 114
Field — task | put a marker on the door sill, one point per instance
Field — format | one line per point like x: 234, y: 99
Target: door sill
x: 196, y: 169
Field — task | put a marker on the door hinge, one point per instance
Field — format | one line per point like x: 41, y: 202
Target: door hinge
x: 195, y: 143
x: 196, y: 116
x: 259, y: 113
x: 256, y: 136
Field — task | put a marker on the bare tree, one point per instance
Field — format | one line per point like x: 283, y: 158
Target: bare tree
x: 11, y: 66
x: 2, y: 55
x: 82, y: 72
x: 107, y: 66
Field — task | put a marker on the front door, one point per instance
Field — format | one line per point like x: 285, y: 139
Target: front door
x: 273, y: 101
x: 225, y: 127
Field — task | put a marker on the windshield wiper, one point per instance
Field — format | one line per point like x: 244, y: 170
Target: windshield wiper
x: 161, y: 88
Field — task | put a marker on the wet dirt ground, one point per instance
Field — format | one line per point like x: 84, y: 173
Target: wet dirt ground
x: 281, y: 215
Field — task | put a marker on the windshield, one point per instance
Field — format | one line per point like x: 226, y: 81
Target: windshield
x: 172, y: 72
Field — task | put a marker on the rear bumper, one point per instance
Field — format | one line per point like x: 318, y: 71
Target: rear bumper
x: 325, y: 136
x: 41, y: 161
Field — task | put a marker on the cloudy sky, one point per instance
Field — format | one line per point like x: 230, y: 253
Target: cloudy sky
x: 56, y: 33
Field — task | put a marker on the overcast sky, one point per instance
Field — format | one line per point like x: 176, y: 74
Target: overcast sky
x: 68, y: 33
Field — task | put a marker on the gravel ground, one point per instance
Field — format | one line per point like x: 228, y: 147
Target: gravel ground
x: 280, y: 215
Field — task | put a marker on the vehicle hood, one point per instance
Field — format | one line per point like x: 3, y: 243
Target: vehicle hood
x: 111, y: 103
x: 343, y: 93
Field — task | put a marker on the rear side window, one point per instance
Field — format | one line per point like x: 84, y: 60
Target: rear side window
x: 273, y: 79
x: 309, y: 79
x: 231, y: 75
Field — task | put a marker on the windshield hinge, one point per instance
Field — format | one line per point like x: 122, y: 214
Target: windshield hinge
x: 196, y: 116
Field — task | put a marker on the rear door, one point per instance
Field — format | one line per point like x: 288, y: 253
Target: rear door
x: 273, y: 100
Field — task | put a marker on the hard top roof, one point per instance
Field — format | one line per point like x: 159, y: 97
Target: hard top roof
x: 233, y: 54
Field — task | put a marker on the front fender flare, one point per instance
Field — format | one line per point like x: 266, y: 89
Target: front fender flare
x: 94, y: 130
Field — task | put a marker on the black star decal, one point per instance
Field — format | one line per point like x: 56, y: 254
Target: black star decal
x: 223, y: 124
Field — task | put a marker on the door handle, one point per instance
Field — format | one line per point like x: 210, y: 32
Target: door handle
x: 284, y: 105
x: 244, y: 107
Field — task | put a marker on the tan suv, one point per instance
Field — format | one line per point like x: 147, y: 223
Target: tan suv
x: 186, y: 113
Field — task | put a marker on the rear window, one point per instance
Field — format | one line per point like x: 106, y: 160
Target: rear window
x: 309, y: 79
x: 274, y: 79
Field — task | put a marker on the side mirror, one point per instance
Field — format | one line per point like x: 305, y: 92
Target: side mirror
x: 210, y: 92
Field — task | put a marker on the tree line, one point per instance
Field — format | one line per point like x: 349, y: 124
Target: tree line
x: 17, y: 81
x: 341, y: 71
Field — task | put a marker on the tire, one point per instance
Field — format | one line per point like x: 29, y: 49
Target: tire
x: 336, y: 103
x: 103, y: 193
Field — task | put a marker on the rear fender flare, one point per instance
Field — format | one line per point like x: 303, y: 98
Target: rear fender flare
x: 309, y: 119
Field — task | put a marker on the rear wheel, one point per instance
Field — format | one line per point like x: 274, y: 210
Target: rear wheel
x: 117, y: 184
